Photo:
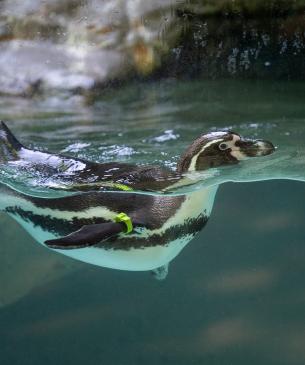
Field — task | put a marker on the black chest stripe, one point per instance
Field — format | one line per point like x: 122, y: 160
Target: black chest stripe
x: 191, y: 226
x: 63, y: 227
x: 57, y: 226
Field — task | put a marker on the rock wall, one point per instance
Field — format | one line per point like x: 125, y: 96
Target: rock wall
x: 79, y: 45
x: 261, y: 44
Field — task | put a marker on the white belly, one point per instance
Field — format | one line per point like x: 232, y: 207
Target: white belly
x: 148, y: 258
x: 138, y: 259
x: 134, y: 259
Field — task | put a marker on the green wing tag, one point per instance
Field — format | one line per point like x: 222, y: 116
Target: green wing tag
x: 122, y: 217
x: 121, y: 187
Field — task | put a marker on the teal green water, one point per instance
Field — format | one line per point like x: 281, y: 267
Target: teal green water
x: 153, y: 124
x: 235, y: 294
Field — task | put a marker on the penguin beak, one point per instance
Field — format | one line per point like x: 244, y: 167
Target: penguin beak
x: 255, y: 148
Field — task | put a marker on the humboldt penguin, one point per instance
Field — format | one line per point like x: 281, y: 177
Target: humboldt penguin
x: 123, y: 229
x: 69, y: 173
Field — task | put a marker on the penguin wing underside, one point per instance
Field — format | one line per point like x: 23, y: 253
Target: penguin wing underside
x: 88, y: 235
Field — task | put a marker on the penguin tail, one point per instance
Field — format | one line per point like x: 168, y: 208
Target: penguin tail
x: 9, y: 145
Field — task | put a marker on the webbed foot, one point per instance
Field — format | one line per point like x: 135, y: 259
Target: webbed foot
x: 161, y: 272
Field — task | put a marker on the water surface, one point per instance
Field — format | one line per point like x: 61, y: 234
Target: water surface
x: 234, y: 295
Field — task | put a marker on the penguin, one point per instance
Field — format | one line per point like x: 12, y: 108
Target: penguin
x: 74, y: 174
x: 124, y: 229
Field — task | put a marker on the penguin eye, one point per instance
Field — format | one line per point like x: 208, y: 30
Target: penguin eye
x: 223, y: 146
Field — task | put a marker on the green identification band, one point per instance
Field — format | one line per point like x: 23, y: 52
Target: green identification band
x: 116, y: 186
x: 121, y: 187
x: 122, y: 217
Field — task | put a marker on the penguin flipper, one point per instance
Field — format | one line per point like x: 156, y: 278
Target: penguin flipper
x: 88, y: 235
x: 161, y: 272
x: 9, y: 145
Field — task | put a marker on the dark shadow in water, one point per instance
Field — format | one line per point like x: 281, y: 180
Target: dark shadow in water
x: 236, y: 295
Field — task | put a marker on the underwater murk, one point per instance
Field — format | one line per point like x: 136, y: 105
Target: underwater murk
x: 235, y: 294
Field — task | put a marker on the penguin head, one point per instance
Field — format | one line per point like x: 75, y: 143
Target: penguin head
x: 220, y: 149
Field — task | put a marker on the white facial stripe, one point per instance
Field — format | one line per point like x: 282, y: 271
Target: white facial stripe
x: 261, y: 148
x: 235, y: 151
x: 194, y: 159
